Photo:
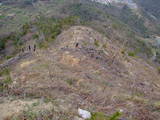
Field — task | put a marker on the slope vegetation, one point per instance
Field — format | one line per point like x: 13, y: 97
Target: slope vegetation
x: 82, y: 69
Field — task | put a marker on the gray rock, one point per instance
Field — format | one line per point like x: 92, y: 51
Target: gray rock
x: 84, y: 114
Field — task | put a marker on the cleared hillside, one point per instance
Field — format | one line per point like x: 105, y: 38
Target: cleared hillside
x: 60, y: 55
x: 82, y: 69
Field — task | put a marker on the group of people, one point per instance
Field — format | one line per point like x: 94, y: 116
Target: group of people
x: 29, y: 48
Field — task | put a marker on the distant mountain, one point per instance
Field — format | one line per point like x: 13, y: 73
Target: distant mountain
x: 150, y: 6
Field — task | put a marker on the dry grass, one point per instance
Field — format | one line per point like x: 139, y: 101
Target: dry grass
x: 86, y: 77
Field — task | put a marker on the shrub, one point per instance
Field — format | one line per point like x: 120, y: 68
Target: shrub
x: 9, y: 56
x: 68, y: 21
x: 42, y: 45
x: 4, y: 72
x: 115, y: 116
x: 96, y: 43
x: 102, y: 116
x: 158, y: 70
x: 116, y: 26
x: 157, y: 57
x: 4, y: 83
x: 2, y: 44
x: 71, y: 81
x: 123, y: 51
x: 104, y: 46
x: 25, y: 28
x: 98, y: 116
x: 17, y: 41
x: 35, y: 36
x: 132, y: 54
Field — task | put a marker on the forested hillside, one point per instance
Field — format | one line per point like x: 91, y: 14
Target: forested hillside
x: 151, y: 6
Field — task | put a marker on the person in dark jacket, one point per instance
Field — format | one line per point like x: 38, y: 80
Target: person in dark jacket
x: 22, y: 49
x: 77, y: 45
x: 34, y: 48
x: 29, y: 47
